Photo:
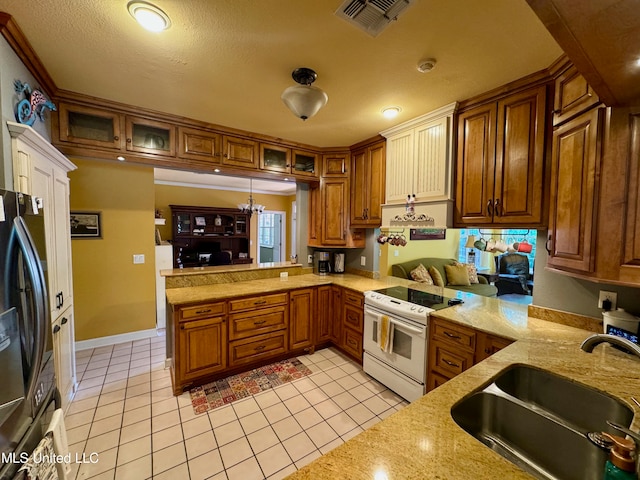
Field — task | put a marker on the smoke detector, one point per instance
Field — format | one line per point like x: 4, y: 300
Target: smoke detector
x: 426, y: 65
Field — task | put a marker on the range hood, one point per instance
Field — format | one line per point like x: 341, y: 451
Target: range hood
x: 435, y: 214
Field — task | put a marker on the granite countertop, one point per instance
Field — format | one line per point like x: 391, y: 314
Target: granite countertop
x: 422, y: 440
x: 177, y: 272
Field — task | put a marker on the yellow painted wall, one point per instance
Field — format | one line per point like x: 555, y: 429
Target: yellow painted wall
x: 166, y: 195
x: 111, y: 294
x: 447, y: 248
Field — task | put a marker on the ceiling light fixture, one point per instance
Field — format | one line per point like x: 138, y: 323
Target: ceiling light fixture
x: 304, y: 100
x: 149, y: 16
x: 391, y: 112
x: 251, y: 207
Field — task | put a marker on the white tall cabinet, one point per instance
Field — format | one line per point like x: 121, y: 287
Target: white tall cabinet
x: 41, y: 170
x: 419, y: 153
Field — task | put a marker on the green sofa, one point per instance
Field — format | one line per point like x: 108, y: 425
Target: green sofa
x: 403, y: 270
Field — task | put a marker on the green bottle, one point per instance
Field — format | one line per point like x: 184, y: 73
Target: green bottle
x: 621, y: 464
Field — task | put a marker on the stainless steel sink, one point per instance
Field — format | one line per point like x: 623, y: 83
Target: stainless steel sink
x: 539, y: 421
x: 583, y: 407
x: 539, y: 445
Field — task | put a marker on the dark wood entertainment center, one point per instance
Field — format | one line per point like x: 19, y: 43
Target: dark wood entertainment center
x: 202, y: 234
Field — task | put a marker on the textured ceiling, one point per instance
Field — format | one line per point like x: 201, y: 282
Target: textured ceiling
x: 227, y: 61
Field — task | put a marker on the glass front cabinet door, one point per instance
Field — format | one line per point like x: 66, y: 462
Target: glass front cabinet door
x: 275, y: 158
x: 305, y: 164
x: 148, y: 136
x: 89, y: 126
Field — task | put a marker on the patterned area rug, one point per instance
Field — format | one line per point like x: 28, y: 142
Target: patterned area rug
x: 219, y: 393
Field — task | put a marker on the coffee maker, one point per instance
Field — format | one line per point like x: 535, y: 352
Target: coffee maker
x: 322, y: 263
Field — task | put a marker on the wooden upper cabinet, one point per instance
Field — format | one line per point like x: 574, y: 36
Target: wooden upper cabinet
x: 89, y: 126
x: 368, y: 185
x: 315, y: 217
x: 475, y: 165
x: 275, y: 158
x: 500, y: 163
x: 575, y: 172
x: 573, y: 95
x: 305, y: 164
x: 335, y: 165
x: 520, y: 152
x: 239, y: 152
x: 149, y: 136
x: 334, y: 195
x: 196, y: 144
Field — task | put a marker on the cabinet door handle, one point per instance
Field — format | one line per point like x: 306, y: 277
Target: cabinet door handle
x: 259, y: 322
x: 451, y: 364
x: 497, y: 207
x: 56, y: 329
x: 452, y: 335
x: 198, y: 312
x: 546, y: 245
x: 128, y: 140
x: 260, y: 347
x: 487, y: 351
x: 61, y: 299
x: 64, y: 320
x: 490, y: 208
x: 116, y: 138
x: 260, y: 302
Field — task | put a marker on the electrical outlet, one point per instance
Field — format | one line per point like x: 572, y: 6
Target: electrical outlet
x: 138, y: 258
x: 396, y: 253
x: 309, y: 258
x: 363, y: 261
x: 611, y: 296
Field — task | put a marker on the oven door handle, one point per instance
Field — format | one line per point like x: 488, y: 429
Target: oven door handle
x: 418, y: 331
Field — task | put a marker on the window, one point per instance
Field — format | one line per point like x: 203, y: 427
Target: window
x: 266, y: 229
x: 509, y: 236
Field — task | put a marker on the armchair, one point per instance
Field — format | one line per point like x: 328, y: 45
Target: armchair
x: 513, y: 274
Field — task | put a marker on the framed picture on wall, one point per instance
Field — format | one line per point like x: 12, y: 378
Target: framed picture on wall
x: 427, y: 234
x: 86, y: 225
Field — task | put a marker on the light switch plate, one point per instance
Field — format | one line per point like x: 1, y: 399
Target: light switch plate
x: 363, y: 261
x: 138, y: 258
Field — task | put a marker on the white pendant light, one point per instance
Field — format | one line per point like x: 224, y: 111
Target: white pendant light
x: 304, y: 100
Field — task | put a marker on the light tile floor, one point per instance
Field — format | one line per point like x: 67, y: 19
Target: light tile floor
x: 125, y: 411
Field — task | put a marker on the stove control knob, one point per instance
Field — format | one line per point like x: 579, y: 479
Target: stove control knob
x: 413, y: 307
x: 379, y: 297
x: 421, y: 310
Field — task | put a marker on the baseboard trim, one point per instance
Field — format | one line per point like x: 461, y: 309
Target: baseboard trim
x: 113, y: 339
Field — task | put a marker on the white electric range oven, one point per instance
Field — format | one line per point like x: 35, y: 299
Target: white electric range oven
x: 403, y: 368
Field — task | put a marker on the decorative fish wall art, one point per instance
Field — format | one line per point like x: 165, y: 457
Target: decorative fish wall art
x: 33, y: 105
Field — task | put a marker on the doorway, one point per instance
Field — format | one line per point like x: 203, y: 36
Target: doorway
x: 271, y: 237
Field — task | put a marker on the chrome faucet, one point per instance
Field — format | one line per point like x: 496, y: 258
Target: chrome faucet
x: 590, y: 343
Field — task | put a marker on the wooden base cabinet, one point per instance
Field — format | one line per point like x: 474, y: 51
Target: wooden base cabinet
x: 324, y: 315
x: 202, y: 347
x: 453, y: 348
x: 301, y: 318
x: 63, y: 338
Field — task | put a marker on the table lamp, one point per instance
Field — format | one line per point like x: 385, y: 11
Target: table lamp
x: 471, y: 256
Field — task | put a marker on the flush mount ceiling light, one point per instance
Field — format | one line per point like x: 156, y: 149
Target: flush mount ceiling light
x: 391, y: 112
x: 149, y: 16
x: 304, y: 100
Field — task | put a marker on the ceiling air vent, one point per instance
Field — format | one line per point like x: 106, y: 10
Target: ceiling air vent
x: 372, y: 16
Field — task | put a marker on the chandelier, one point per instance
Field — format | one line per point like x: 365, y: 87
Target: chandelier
x: 251, y: 207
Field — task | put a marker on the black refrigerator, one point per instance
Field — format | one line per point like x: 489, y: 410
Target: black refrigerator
x: 28, y: 395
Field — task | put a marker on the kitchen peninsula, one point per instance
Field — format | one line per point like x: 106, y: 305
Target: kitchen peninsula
x: 422, y: 440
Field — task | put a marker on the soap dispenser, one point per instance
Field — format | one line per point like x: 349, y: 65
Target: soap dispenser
x: 621, y: 464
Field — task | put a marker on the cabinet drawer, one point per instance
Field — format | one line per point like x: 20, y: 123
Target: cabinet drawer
x: 202, y: 311
x: 259, y: 302
x: 449, y: 361
x: 354, y: 318
x: 247, y: 324
x: 255, y: 348
x: 435, y: 379
x: 463, y: 338
x: 352, y: 342
x: 354, y: 298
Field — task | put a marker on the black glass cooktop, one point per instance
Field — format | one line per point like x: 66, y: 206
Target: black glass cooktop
x: 418, y: 297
